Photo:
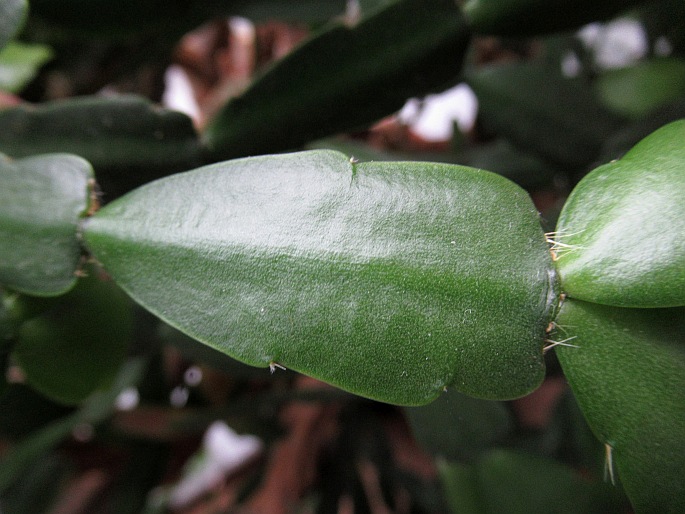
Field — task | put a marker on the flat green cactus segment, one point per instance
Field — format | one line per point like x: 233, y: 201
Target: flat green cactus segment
x: 41, y: 202
x: 390, y: 280
x: 127, y: 139
x: 627, y: 370
x: 621, y: 235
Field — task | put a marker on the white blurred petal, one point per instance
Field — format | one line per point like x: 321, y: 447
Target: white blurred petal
x: 178, y: 92
x: 434, y: 118
x: 223, y: 452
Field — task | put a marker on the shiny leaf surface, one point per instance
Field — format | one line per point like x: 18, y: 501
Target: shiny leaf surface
x: 41, y: 201
x: 391, y: 280
x: 621, y: 234
x: 628, y: 374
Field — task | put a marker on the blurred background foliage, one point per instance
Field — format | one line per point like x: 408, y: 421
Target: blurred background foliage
x: 118, y: 426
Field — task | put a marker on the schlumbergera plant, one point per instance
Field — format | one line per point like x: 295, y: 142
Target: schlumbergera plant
x: 395, y: 280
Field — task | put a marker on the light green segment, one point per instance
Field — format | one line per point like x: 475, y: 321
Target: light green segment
x: 41, y: 201
x: 621, y: 234
x: 19, y: 64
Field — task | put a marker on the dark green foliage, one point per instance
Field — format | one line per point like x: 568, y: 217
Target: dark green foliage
x: 627, y: 369
x: 345, y: 78
x: 128, y: 140
x: 530, y: 103
x: 535, y: 17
